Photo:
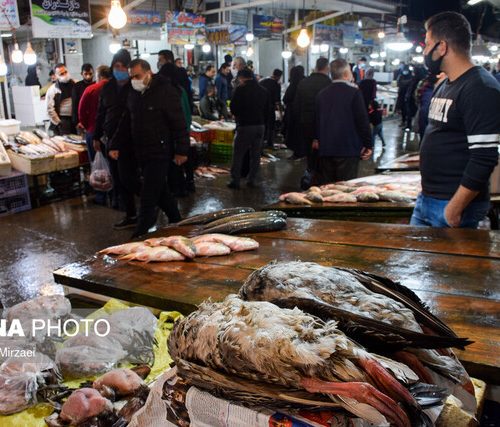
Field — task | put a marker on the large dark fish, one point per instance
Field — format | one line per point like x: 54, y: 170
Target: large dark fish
x: 212, y: 216
x: 247, y: 215
x: 252, y: 225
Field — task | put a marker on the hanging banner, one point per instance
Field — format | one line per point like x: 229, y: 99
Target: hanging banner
x: 144, y: 25
x: 349, y: 31
x: 10, y: 16
x: 218, y: 35
x: 329, y: 34
x: 268, y: 27
x: 61, y: 19
x: 184, y: 27
x: 237, y: 34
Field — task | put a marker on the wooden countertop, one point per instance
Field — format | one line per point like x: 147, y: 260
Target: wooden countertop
x: 456, y: 272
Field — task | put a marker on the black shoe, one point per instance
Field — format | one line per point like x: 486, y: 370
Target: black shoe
x: 233, y: 185
x: 125, y: 223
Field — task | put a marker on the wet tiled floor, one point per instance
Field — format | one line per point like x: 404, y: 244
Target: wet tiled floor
x: 36, y: 242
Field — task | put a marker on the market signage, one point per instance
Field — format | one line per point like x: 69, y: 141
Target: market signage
x: 143, y: 25
x: 329, y: 34
x: 219, y: 34
x: 237, y: 34
x: 184, y: 27
x: 268, y: 27
x: 61, y: 19
x: 9, y: 17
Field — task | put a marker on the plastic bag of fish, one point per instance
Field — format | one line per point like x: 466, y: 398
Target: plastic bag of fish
x: 100, y: 175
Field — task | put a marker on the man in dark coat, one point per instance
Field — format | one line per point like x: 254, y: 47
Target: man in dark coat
x: 155, y: 129
x: 273, y: 86
x: 342, y: 128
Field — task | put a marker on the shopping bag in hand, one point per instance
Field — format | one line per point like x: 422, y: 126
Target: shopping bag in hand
x: 100, y: 175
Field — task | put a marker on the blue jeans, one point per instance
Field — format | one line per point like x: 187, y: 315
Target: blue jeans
x: 430, y: 211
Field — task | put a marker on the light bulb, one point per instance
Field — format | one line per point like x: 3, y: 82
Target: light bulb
x: 418, y: 49
x: 323, y: 47
x: 383, y: 54
x: 189, y: 46
x: 250, y: 51
x: 206, y: 48
x: 3, y: 67
x: 303, y: 39
x: 29, y: 55
x: 343, y: 50
x: 17, y: 54
x: 381, y: 34
x: 374, y: 55
x: 418, y: 59
x: 494, y: 48
x: 286, y: 54
x: 117, y: 17
x: 396, y: 62
x: 249, y: 36
x: 114, y: 47
x: 314, y: 48
x: 360, y: 23
x: 399, y: 43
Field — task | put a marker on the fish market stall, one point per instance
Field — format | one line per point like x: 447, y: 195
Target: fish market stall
x: 455, y: 272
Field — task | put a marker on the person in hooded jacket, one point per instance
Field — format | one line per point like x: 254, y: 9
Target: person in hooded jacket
x: 109, y: 113
x: 154, y: 128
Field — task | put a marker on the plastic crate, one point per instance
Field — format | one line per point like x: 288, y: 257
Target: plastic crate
x: 13, y: 204
x: 13, y: 184
x: 221, y: 153
x: 204, y: 136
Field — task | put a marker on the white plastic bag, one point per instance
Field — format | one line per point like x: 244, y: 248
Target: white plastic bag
x: 100, y: 175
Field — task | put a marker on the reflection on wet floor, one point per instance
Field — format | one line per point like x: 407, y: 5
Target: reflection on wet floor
x: 36, y: 242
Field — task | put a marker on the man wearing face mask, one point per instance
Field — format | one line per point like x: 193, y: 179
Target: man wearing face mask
x: 59, y: 103
x: 111, y: 107
x: 87, y: 74
x: 155, y: 129
x: 460, y: 146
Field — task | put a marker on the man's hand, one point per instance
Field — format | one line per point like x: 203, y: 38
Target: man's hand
x: 315, y: 144
x: 366, y: 153
x: 178, y: 159
x: 114, y: 154
x: 452, y: 215
x: 80, y: 126
x: 97, y: 145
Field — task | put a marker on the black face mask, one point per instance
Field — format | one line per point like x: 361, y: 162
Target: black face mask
x: 434, y: 66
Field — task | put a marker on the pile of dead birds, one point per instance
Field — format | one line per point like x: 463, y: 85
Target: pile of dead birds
x: 345, y: 192
x: 38, y: 376
x: 303, y: 336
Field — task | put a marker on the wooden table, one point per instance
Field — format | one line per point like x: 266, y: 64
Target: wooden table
x: 456, y: 272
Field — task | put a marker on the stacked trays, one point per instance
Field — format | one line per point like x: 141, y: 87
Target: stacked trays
x: 221, y: 148
x: 14, y: 194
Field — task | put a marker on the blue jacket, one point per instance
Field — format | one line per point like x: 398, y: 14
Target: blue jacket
x: 222, y: 89
x: 342, y: 124
x: 203, y: 83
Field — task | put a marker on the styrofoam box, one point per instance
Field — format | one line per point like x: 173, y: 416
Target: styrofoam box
x: 10, y: 126
x: 5, y: 163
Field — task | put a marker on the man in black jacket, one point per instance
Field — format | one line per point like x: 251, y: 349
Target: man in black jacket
x: 250, y: 106
x: 273, y: 86
x: 304, y: 105
x: 87, y: 74
x: 109, y: 112
x: 166, y: 56
x: 342, y: 127
x: 155, y: 129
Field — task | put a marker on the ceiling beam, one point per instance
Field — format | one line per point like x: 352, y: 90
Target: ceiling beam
x: 316, y: 21
x: 248, y: 5
x: 127, y: 7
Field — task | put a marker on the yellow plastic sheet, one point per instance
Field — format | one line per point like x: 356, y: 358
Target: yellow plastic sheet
x: 34, y: 417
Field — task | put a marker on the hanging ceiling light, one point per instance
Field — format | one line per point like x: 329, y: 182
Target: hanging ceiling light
x: 250, y: 51
x: 117, y: 17
x: 206, y: 48
x: 418, y: 49
x: 314, y: 49
x: 383, y: 54
x: 29, y: 55
x: 381, y: 34
x: 17, y: 54
x: 323, y: 47
x: 418, y: 59
x: 399, y: 42
x: 396, y: 62
x: 249, y: 36
x: 374, y: 55
x: 286, y: 54
x: 303, y: 40
x: 114, y: 46
x: 189, y: 46
x: 494, y: 48
x: 473, y: 2
x: 3, y: 67
x: 343, y: 50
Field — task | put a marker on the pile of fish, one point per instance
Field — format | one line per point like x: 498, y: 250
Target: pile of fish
x: 345, y: 192
x: 300, y: 335
x: 101, y: 403
x: 237, y: 220
x: 180, y: 248
x: 36, y: 144
x: 210, y: 172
